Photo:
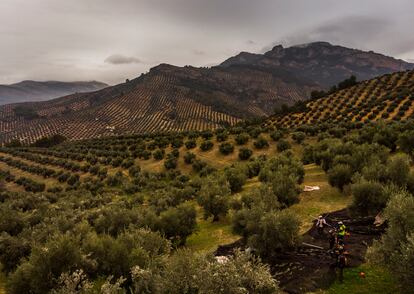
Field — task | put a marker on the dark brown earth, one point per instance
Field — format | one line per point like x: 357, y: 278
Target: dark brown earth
x: 308, y: 269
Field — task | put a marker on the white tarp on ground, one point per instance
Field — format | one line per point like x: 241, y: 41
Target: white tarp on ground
x: 311, y: 188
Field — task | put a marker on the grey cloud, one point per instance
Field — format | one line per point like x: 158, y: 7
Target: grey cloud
x: 354, y: 30
x: 199, y: 52
x: 121, y: 59
x: 69, y: 40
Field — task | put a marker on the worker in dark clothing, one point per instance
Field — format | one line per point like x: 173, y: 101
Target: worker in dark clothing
x: 340, y: 264
x: 332, y: 239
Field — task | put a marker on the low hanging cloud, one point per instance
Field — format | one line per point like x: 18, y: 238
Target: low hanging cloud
x: 121, y: 59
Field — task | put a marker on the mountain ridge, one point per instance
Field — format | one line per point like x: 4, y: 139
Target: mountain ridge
x: 173, y: 98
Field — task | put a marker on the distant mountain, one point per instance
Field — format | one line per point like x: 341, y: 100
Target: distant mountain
x: 171, y: 98
x: 322, y: 62
x: 28, y: 91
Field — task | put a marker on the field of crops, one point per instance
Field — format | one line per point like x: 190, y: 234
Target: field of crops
x: 389, y: 97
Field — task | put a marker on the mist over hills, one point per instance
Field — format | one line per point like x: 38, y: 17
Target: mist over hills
x: 28, y: 91
x: 171, y: 98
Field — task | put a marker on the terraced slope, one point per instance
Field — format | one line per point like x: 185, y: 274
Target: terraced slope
x: 389, y: 97
x: 171, y: 98
x: 166, y: 99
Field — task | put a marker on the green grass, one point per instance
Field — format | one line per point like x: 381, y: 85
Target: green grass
x: 377, y: 280
x: 314, y: 203
x: 210, y: 235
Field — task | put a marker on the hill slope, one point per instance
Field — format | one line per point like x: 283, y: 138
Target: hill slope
x: 171, y: 98
x: 27, y: 91
x: 389, y: 97
x: 323, y: 63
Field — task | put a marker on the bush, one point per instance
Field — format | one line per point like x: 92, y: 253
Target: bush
x: 282, y: 145
x: 206, y: 145
x: 226, y: 148
x: 368, y: 197
x: 261, y: 143
x: 285, y: 187
x: 158, y: 154
x: 190, y: 144
x: 340, y: 175
x: 298, y: 137
x: 242, y: 139
x: 170, y: 163
x: 308, y: 155
x: 178, y: 223
x: 395, y: 250
x: 73, y: 180
x: 236, y: 178
x: 406, y: 142
x: 214, y: 196
x: 245, y: 153
x: 189, y: 158
x: 398, y: 169
x: 58, y: 256
x: 188, y: 272
x: 277, y: 231
x: 198, y: 165
x: 221, y: 137
x: 207, y: 135
x: 276, y: 135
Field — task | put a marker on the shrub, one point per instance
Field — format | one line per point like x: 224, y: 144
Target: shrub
x: 127, y: 163
x: 261, y: 143
x: 158, y: 154
x: 282, y: 145
x: 368, y: 197
x: 398, y: 169
x: 245, y: 153
x: 170, y: 163
x: 340, y: 175
x: 236, y: 178
x: 285, y: 187
x: 276, y: 231
x: 226, y: 148
x: 189, y: 158
x: 214, y: 196
x: 73, y: 180
x: 242, y: 139
x: 188, y: 272
x: 198, y: 165
x: 221, y: 137
x: 406, y: 142
x: 276, y: 135
x: 308, y: 155
x: 190, y: 144
x: 254, y: 133
x: 298, y: 137
x: 206, y: 145
x: 178, y: 223
x: 395, y: 250
x: 59, y: 255
x: 207, y: 135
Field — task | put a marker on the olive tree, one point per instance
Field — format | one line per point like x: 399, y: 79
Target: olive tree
x: 214, y: 196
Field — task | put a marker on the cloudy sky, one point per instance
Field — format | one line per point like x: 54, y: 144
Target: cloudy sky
x: 111, y: 40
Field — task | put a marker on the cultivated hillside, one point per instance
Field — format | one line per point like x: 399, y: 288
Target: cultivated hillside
x: 27, y: 91
x: 171, y: 98
x: 389, y: 97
